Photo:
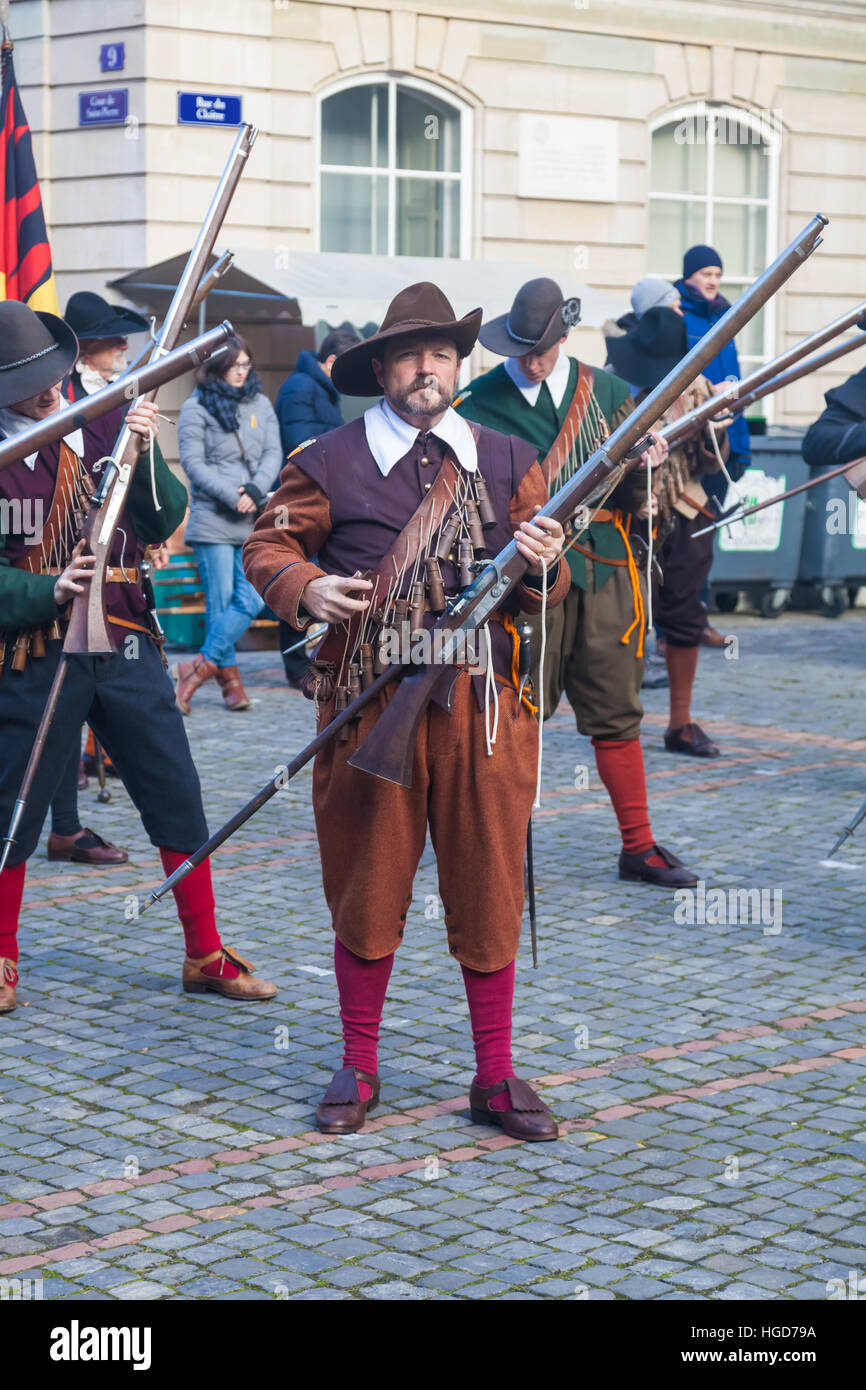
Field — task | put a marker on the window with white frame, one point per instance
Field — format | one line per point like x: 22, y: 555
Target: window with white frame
x: 393, y: 160
x: 713, y: 175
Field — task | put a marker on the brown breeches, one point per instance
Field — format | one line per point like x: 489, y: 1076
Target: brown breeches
x: 372, y: 833
x: 685, y: 562
x: 587, y: 660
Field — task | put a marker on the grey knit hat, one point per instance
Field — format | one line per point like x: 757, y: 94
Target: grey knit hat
x: 652, y: 292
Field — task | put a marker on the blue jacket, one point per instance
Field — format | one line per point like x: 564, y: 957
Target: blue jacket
x: 307, y: 404
x: 701, y: 315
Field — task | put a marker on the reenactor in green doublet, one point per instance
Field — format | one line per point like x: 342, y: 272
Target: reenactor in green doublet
x: 595, y: 640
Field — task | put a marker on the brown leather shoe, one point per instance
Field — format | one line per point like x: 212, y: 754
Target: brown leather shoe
x: 85, y: 848
x: 711, y: 638
x: 234, y: 695
x: 691, y: 739
x: 528, y: 1118
x: 8, y: 981
x: 672, y: 874
x: 190, y: 675
x: 341, y: 1109
x: 243, y: 986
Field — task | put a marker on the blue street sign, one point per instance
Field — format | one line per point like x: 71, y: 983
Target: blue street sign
x: 112, y: 57
x: 103, y: 108
x: 195, y: 108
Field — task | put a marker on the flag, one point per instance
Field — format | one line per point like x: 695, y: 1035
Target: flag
x: 26, y: 271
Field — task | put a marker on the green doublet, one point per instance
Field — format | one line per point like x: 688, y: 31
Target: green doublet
x: 495, y: 401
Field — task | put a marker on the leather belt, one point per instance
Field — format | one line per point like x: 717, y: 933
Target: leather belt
x: 114, y: 574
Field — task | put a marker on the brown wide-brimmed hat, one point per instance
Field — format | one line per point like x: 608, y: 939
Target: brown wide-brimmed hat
x: 36, y: 351
x: 537, y: 319
x: 421, y: 309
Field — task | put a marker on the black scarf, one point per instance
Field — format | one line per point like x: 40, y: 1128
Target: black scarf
x: 221, y: 400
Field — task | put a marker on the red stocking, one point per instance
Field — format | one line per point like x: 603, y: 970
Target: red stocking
x: 11, y: 893
x: 362, y: 985
x: 491, y: 996
x: 196, y: 908
x: 682, y: 663
x: 621, y: 769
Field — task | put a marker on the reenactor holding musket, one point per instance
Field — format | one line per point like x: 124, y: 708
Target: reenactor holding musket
x: 126, y: 696
x: 595, y: 640
x: 644, y: 356
x: 415, y: 496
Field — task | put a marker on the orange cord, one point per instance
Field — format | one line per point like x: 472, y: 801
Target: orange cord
x: 639, y: 613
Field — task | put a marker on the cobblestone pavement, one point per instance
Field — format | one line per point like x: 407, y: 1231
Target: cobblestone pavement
x: 709, y: 1077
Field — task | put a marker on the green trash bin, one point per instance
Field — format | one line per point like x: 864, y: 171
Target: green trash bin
x: 761, y: 555
x: 180, y: 602
x: 833, y: 556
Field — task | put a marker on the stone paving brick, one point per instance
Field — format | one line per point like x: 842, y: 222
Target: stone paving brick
x: 104, y: 1072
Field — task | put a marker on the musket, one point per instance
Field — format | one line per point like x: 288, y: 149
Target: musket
x: 776, y: 384
x: 388, y: 750
x: 849, y: 830
x: 87, y: 631
x: 739, y: 513
x: 88, y: 626
x: 689, y: 423
x: 72, y: 415
x: 208, y: 282
x: 770, y: 376
x: 48, y: 431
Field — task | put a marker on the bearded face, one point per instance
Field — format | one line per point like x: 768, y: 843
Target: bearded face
x: 419, y: 376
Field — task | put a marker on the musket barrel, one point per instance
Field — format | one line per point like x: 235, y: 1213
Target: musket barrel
x: 634, y: 428
x: 746, y: 391
x: 120, y: 392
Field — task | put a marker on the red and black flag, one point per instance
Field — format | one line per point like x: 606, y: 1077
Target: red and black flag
x: 26, y: 271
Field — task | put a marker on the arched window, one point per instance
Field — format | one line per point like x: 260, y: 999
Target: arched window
x: 713, y: 177
x: 393, y: 169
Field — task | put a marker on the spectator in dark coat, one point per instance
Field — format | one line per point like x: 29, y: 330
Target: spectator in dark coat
x: 839, y: 434
x: 308, y: 404
x: 702, y: 307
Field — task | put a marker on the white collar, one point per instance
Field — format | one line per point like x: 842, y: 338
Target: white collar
x: 390, y: 437
x: 556, y: 382
x: 92, y: 380
x: 13, y: 423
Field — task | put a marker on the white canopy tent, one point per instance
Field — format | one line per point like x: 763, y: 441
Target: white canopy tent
x: 332, y: 286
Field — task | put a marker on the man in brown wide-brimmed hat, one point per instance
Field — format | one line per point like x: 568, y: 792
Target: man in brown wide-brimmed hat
x: 348, y: 500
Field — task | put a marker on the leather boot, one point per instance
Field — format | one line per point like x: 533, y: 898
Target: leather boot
x: 243, y: 986
x: 190, y: 675
x: 85, y: 848
x: 528, y: 1118
x: 341, y: 1109
x: 8, y: 981
x: 690, y: 739
x: 234, y: 695
x: 672, y: 874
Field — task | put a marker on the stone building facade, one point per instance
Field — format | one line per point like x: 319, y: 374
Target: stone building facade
x: 591, y: 139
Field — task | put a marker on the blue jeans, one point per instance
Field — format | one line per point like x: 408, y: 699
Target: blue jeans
x: 231, y: 602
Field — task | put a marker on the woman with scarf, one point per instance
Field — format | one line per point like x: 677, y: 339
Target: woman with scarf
x: 229, y: 442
